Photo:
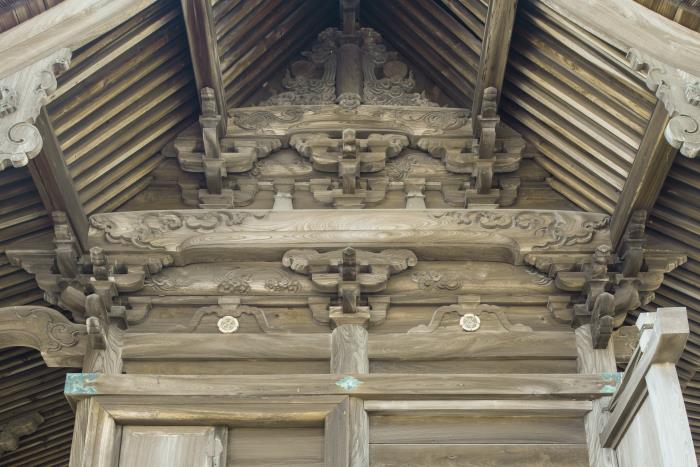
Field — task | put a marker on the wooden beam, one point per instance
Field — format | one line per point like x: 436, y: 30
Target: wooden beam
x: 54, y: 181
x: 70, y: 24
x: 627, y: 24
x: 201, y: 35
x: 494, y: 51
x: 647, y: 176
x: 371, y: 386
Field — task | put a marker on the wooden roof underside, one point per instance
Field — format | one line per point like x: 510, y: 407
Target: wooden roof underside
x: 129, y: 92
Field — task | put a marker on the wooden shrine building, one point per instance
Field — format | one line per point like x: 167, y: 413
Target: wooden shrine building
x: 425, y: 233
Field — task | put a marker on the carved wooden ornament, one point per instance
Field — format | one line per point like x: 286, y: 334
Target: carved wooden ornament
x: 21, y: 96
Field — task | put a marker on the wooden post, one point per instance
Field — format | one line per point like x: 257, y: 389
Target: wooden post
x: 201, y: 34
x: 494, y: 52
x: 348, y: 425
x: 646, y: 178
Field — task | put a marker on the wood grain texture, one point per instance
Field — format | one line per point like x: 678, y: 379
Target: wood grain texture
x: 167, y: 445
x: 578, y: 387
x: 592, y: 360
x: 626, y: 24
x: 647, y: 175
x: 420, y: 455
x: 349, y: 349
x: 70, y: 24
x: 494, y: 51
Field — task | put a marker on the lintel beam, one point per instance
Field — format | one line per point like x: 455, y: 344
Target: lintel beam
x: 494, y: 51
x: 368, y: 386
x: 201, y: 35
x: 55, y: 183
x: 646, y: 178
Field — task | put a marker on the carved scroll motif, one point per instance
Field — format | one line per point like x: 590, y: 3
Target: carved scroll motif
x: 680, y: 93
x: 21, y: 96
x: 152, y: 225
x: 461, y: 310
x: 553, y: 228
x: 61, y: 342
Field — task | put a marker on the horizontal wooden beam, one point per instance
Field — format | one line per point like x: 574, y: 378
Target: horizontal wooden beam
x: 69, y: 24
x: 399, y: 346
x: 492, y: 408
x: 372, y: 386
x: 627, y: 24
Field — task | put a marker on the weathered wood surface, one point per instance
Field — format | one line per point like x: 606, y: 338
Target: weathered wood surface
x: 554, y: 408
x: 475, y: 455
x: 371, y: 386
x: 54, y: 182
x: 663, y: 344
x: 349, y: 349
x: 394, y: 346
x: 201, y: 35
x: 69, y: 24
x: 649, y: 409
x: 208, y: 236
x: 494, y: 51
x: 648, y: 174
x: 591, y: 361
x: 626, y: 24
x: 275, y: 447
x: 60, y: 341
x: 166, y: 445
x: 464, y: 429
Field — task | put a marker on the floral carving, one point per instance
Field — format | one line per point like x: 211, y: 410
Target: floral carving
x: 432, y: 280
x: 474, y: 310
x: 233, y: 283
x: 283, y: 285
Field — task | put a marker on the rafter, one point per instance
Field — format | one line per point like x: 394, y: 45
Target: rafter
x: 494, y: 51
x: 649, y: 169
x: 201, y: 35
x: 54, y: 182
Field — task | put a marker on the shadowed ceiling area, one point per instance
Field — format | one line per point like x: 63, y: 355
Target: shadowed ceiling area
x: 582, y: 110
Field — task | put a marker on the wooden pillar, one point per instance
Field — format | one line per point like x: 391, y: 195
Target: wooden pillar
x: 284, y: 199
x: 347, y: 427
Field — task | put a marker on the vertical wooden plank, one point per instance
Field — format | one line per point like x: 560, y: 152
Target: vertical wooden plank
x: 337, y: 436
x: 670, y: 418
x: 201, y: 35
x: 649, y: 170
x: 494, y: 52
x: 592, y: 361
x: 54, y: 181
